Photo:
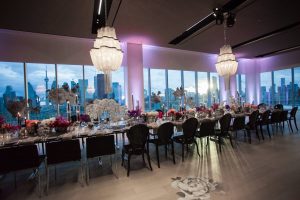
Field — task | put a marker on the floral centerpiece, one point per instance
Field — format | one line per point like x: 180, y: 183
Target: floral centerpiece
x: 178, y: 115
x: 215, y: 106
x: 151, y: 116
x: 109, y: 106
x: 191, y: 111
x: 171, y: 112
x: 6, y: 127
x: 60, y: 124
x: 84, y: 118
x: 134, y: 113
x: 16, y: 108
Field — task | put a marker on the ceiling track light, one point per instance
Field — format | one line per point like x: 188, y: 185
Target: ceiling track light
x: 230, y: 20
x: 218, y: 14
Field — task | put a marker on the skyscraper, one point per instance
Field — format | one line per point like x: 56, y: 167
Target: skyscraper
x: 99, y: 86
x: 83, y: 84
x: 46, y: 84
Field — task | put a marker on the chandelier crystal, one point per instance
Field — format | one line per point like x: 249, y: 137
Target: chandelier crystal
x: 106, y: 54
x: 226, y: 64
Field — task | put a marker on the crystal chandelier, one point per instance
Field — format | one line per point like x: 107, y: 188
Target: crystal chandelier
x: 226, y: 65
x: 106, y: 54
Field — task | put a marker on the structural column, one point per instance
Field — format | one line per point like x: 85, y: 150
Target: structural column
x: 134, y: 76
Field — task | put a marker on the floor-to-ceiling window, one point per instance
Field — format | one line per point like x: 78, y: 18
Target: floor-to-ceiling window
x: 241, y: 86
x: 41, y: 79
x: 297, y: 86
x: 214, y: 88
x: 11, y: 89
x: 283, y: 87
x: 118, y: 89
x: 174, y: 82
x: 158, y: 87
x: 146, y: 89
x: 190, y: 88
x: 202, y: 88
x: 266, y: 88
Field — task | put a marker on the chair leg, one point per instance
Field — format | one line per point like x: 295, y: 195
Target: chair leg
x: 157, y: 155
x: 197, y: 148
x: 268, y: 129
x: 128, y: 164
x: 47, y: 179
x: 173, y: 153
x: 149, y: 161
x: 166, y: 151
x: 249, y: 136
x: 230, y: 139
x: 123, y: 154
x: 291, y: 125
x: 182, y: 151
x: 261, y: 132
x: 219, y: 141
x: 87, y: 172
x: 256, y: 131
x: 295, y: 121
x: 39, y: 183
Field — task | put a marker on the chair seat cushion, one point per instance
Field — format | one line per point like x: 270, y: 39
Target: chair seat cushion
x: 181, y: 139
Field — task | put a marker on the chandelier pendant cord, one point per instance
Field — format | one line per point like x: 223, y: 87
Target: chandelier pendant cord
x: 105, y: 12
x: 224, y: 24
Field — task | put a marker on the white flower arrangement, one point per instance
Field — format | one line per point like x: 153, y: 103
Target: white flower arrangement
x: 47, y: 122
x: 191, y: 111
x: 60, y: 96
x: 114, y: 110
x: 152, y: 114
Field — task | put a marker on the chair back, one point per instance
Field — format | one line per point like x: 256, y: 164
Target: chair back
x: 276, y: 116
x: 63, y: 151
x: 165, y: 132
x: 238, y: 123
x: 189, y: 127
x: 278, y: 106
x: 284, y: 115
x: 294, y: 111
x: 265, y: 117
x: 100, y: 146
x: 253, y: 119
x: 18, y: 158
x: 207, y: 128
x: 261, y: 105
x: 225, y: 123
x: 138, y: 135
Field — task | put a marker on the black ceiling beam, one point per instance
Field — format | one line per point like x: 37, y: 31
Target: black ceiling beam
x: 100, y: 20
x: 267, y: 35
x: 231, y: 5
x: 279, y: 51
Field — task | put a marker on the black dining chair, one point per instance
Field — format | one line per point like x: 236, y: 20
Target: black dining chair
x: 138, y: 144
x: 293, y: 117
x: 284, y: 118
x: 189, y: 128
x: 17, y: 158
x: 275, y: 120
x: 278, y: 107
x: 207, y: 129
x: 98, y: 146
x: 164, y: 138
x: 223, y: 132
x: 238, y: 125
x: 264, y: 120
x: 252, y: 125
x: 261, y: 105
x: 62, y: 151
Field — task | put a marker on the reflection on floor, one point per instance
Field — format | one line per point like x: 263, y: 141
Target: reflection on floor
x: 262, y: 170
